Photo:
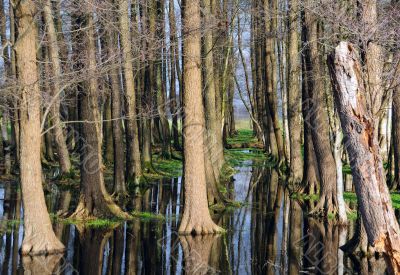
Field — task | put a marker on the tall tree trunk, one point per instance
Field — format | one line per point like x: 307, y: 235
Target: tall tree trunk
x: 173, y: 70
x: 116, y: 114
x: 39, y: 237
x: 196, y: 216
x: 319, y: 120
x: 94, y: 200
x: 213, y: 146
x: 270, y: 10
x: 54, y: 55
x: 294, y: 95
x: 133, y: 151
x: 362, y: 146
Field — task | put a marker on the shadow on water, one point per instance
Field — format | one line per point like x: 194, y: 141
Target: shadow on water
x: 269, y: 234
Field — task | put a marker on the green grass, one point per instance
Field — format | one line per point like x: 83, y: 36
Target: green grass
x: 101, y: 223
x: 170, y: 168
x: 148, y: 216
x: 237, y: 157
x: 243, y: 136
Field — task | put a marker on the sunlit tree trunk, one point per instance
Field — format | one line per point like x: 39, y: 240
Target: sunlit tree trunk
x: 294, y: 95
x: 196, y: 216
x: 39, y: 237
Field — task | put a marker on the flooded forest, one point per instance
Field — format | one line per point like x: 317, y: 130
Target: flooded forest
x: 199, y: 137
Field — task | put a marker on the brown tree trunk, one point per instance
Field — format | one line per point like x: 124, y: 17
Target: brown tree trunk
x: 107, y: 127
x: 94, y: 200
x: 319, y: 120
x: 364, y: 153
x: 132, y: 128
x: 173, y: 70
x: 213, y: 147
x: 196, y: 216
x: 116, y: 115
x: 39, y: 237
x: 294, y: 96
x: 270, y: 10
x: 54, y: 55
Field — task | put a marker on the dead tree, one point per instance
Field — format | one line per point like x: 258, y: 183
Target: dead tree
x: 363, y: 149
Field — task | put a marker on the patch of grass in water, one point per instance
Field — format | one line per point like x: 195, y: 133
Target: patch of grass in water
x: 148, y: 216
x: 238, y: 157
x: 94, y: 223
x: 101, y: 223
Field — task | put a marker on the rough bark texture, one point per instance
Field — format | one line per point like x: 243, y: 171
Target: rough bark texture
x: 294, y: 96
x: 364, y: 153
x: 196, y: 216
x: 39, y: 237
x: 132, y: 128
x: 59, y: 136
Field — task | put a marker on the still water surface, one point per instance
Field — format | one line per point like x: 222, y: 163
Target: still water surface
x: 270, y: 234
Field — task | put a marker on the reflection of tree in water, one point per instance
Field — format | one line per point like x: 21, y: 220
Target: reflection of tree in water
x: 43, y: 265
x: 92, y: 243
x: 267, y: 195
x: 197, y: 251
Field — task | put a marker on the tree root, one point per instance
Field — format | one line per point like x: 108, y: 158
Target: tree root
x: 44, y: 246
x: 200, y: 229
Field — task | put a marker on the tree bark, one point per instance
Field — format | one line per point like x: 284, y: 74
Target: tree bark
x: 39, y: 237
x: 196, y: 216
x: 116, y: 115
x: 364, y: 153
x: 133, y: 151
x: 59, y: 137
x: 294, y: 96
x: 173, y: 70
x: 94, y: 200
x: 319, y: 120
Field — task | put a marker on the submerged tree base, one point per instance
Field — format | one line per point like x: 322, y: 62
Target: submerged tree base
x: 106, y: 209
x: 199, y: 228
x: 35, y: 244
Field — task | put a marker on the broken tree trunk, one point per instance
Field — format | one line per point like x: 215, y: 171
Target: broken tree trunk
x: 363, y: 150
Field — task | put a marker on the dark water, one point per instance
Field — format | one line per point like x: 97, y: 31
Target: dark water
x: 269, y: 235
